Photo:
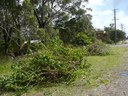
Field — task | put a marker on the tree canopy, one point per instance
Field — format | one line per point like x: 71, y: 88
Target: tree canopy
x: 42, y: 20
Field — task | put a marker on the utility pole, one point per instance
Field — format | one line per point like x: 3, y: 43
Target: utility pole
x: 115, y: 24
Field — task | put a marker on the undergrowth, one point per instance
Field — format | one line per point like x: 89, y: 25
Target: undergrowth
x: 98, y: 48
x: 55, y: 65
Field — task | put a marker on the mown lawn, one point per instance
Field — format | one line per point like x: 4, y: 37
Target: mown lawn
x: 112, y: 61
x: 101, y: 68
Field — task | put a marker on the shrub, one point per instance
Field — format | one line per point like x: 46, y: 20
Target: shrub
x: 81, y: 39
x: 98, y: 48
x: 55, y: 66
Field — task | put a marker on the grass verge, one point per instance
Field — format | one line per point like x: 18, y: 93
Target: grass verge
x: 5, y: 66
x: 103, y: 66
x: 101, y: 70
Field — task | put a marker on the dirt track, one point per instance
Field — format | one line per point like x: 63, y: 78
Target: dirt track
x: 118, y: 86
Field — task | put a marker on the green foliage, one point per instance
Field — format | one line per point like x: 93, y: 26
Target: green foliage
x: 16, y: 81
x: 45, y: 11
x: 56, y: 65
x: 73, y: 26
x: 110, y: 32
x: 39, y: 20
x: 81, y: 39
x: 98, y: 48
x: 119, y: 37
x: 34, y: 47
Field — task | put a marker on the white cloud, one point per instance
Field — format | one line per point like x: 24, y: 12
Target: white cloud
x: 123, y: 19
x: 103, y: 15
x: 96, y: 2
x: 102, y: 18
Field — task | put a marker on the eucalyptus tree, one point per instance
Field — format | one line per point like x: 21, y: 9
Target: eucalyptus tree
x: 110, y: 32
x: 49, y: 11
x: 8, y: 21
x: 57, y: 13
x: 25, y: 20
x: 16, y: 19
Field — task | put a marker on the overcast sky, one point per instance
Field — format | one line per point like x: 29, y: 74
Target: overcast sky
x: 102, y: 12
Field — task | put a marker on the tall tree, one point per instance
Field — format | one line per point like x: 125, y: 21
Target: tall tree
x: 110, y: 32
x: 6, y: 24
x: 48, y: 11
x: 16, y: 21
x: 70, y: 28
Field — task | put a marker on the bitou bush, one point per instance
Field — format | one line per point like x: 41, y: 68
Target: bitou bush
x: 98, y: 48
x: 81, y: 39
x: 53, y: 67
